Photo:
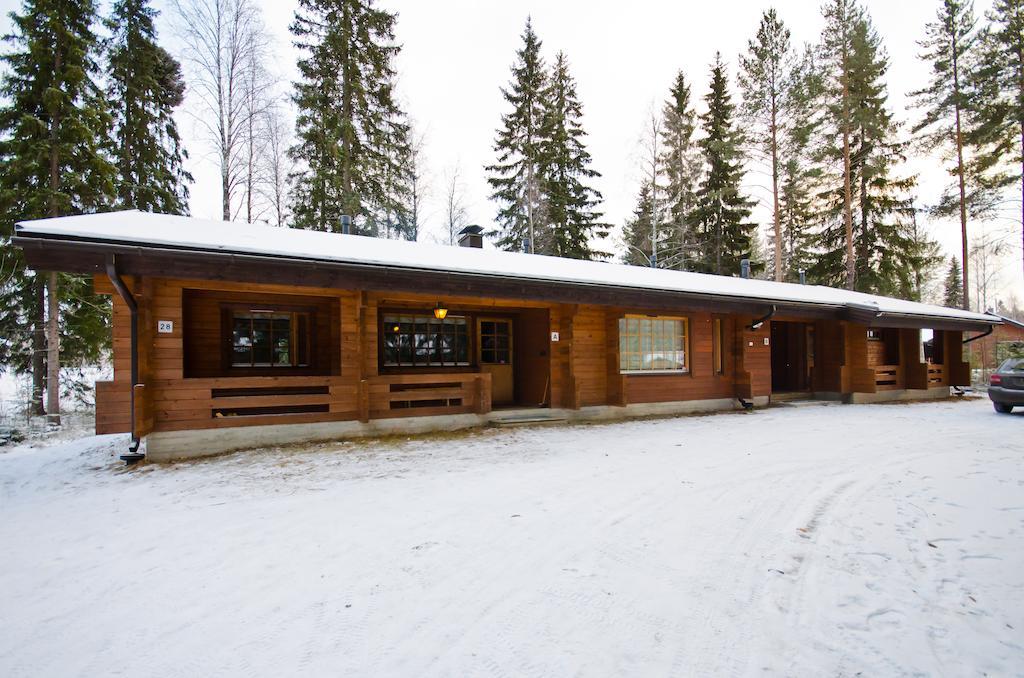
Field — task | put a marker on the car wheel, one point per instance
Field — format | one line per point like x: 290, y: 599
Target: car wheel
x: 1003, y: 408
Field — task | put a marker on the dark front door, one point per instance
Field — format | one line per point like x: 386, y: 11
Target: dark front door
x: 790, y: 367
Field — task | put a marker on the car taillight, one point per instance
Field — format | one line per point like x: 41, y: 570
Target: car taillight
x: 995, y: 380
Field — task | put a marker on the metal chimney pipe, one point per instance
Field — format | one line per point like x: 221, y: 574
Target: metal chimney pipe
x: 744, y: 268
x: 803, y: 277
x: 346, y: 224
x: 526, y: 245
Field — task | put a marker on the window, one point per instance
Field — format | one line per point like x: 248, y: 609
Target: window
x: 423, y: 340
x: 718, y: 346
x: 495, y: 342
x: 269, y: 339
x: 652, y: 344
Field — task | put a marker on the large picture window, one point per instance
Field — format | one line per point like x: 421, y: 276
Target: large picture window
x: 652, y: 345
x: 425, y: 341
x: 269, y: 339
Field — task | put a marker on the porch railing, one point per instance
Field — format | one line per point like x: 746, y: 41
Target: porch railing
x: 936, y: 375
x: 247, y: 401
x: 888, y: 377
x: 422, y: 395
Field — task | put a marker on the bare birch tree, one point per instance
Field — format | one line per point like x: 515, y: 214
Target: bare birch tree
x: 224, y: 41
x: 275, y: 164
x: 454, y: 203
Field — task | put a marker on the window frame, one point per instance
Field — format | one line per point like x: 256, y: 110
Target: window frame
x: 428, y: 315
x: 230, y: 310
x: 685, y: 333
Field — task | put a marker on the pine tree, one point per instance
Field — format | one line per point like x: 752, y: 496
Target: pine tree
x: 766, y: 79
x: 350, y: 131
x: 145, y: 87
x: 723, y: 232
x: 571, y: 219
x: 1000, y: 102
x: 514, y: 177
x: 54, y: 126
x: 636, y: 233
x: 681, y: 163
x: 950, y: 45
x: 953, y: 287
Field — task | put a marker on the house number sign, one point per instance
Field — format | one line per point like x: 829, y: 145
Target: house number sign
x: 554, y: 336
x: 165, y: 326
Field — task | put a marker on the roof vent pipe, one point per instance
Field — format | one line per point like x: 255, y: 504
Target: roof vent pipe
x: 526, y: 245
x: 744, y: 268
x: 803, y: 277
x: 346, y: 224
x: 471, y: 236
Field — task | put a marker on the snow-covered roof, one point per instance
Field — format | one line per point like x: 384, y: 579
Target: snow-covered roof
x: 159, y: 230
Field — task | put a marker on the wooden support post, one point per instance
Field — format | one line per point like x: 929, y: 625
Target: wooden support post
x: 615, y: 379
x: 571, y: 391
x: 363, y: 400
x: 483, y: 393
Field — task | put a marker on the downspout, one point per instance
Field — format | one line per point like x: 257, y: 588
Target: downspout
x: 133, y: 456
x: 756, y: 325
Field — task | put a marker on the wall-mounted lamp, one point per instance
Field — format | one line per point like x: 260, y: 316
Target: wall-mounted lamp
x: 440, y: 311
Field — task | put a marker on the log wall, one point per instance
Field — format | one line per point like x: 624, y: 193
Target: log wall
x: 182, y: 386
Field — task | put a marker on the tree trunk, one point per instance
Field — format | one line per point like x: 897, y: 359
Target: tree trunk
x: 53, y: 305
x: 960, y: 174
x: 52, y: 351
x: 38, y: 347
x: 851, y: 263
x: 775, y: 194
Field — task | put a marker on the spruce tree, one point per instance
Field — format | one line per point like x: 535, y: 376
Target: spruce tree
x: 636, y: 232
x: 54, y: 132
x: 860, y: 126
x: 766, y: 79
x: 145, y: 87
x: 797, y: 203
x: 723, y: 232
x: 681, y: 164
x: 350, y: 131
x: 953, y: 288
x: 949, y: 46
x: 571, y: 219
x: 838, y: 266
x: 514, y: 180
x: 1000, y: 103
x: 923, y: 257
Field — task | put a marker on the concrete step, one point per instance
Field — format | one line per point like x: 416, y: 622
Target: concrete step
x: 527, y: 418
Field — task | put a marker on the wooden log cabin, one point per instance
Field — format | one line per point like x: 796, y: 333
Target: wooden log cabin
x: 230, y: 336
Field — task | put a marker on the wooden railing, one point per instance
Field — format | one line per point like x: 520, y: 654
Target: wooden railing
x: 245, y: 401
x: 248, y: 401
x: 936, y: 375
x: 888, y: 377
x: 424, y: 395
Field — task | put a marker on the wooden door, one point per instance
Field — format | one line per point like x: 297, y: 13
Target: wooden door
x: 494, y: 353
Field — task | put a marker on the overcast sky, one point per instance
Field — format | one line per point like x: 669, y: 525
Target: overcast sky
x: 457, y: 54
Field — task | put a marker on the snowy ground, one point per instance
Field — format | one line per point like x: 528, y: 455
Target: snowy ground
x: 799, y: 541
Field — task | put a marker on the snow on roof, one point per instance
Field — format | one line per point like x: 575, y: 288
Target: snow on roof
x: 161, y: 230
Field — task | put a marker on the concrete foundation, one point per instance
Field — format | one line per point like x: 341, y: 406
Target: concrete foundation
x: 899, y: 394
x: 179, y: 445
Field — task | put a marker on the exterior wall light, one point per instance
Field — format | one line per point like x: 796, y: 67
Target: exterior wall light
x: 440, y: 311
